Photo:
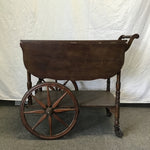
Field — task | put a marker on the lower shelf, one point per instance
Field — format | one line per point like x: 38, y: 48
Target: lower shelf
x: 84, y: 98
x: 94, y: 98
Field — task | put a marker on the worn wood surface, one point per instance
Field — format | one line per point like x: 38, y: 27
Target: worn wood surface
x: 74, y: 60
x: 84, y: 98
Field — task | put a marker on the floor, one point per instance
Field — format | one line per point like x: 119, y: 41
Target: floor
x: 93, y: 131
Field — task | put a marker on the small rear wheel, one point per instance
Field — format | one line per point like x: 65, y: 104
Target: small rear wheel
x: 64, y: 82
x: 52, y: 113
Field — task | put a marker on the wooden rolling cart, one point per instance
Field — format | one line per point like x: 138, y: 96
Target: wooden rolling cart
x: 49, y: 110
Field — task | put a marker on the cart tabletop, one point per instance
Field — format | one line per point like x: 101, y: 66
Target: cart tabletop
x: 73, y: 59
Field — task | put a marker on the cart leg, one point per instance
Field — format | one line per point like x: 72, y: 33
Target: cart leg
x: 39, y: 81
x: 118, y: 131
x: 29, y: 85
x: 108, y: 113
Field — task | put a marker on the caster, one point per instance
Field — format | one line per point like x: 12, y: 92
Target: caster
x: 118, y: 132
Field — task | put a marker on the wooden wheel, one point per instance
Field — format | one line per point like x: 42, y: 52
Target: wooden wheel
x: 52, y: 113
x: 74, y: 84
x: 67, y: 81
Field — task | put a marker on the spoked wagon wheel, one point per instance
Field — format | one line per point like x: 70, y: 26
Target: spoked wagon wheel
x: 52, y: 113
x: 65, y: 83
x: 73, y: 83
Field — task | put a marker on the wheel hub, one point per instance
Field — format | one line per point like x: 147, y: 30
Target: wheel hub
x: 49, y: 110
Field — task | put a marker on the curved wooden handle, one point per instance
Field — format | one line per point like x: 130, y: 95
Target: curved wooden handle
x: 134, y: 36
x: 130, y: 37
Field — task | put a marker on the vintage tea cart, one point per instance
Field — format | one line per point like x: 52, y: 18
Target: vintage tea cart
x: 49, y: 110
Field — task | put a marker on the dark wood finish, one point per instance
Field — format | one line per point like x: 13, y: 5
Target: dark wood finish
x: 73, y: 83
x: 130, y: 37
x: 118, y: 132
x: 49, y: 108
x: 65, y: 83
x: 86, y: 98
x: 94, y: 98
x: 71, y: 60
x: 29, y: 85
x: 75, y: 60
x: 108, y: 112
x: 108, y: 85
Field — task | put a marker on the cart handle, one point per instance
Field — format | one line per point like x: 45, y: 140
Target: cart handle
x: 130, y: 37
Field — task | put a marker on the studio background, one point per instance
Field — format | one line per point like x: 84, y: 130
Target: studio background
x: 76, y: 20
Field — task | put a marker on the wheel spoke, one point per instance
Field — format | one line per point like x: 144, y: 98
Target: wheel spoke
x: 34, y: 112
x: 63, y: 109
x: 63, y: 84
x: 48, y: 97
x: 50, y: 124
x: 56, y: 89
x: 49, y: 107
x: 60, y: 120
x: 43, y: 80
x: 66, y: 82
x: 39, y: 121
x: 39, y: 102
x: 59, y: 100
x: 51, y: 88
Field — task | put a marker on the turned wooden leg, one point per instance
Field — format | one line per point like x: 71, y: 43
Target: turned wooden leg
x: 118, y: 131
x: 108, y: 113
x: 29, y: 85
